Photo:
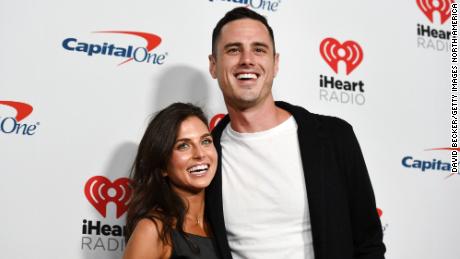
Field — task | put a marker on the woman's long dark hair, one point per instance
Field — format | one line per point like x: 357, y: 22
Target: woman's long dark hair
x: 152, y: 196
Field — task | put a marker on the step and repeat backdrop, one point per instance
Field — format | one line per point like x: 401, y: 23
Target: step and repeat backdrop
x: 80, y: 81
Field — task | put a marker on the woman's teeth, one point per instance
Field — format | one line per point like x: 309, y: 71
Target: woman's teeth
x: 198, y: 169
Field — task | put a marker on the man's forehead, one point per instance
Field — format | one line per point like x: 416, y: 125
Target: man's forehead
x: 244, y: 27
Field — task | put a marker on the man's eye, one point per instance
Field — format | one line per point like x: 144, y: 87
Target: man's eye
x: 260, y: 50
x: 233, y: 50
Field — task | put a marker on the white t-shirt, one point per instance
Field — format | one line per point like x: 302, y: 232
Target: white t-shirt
x: 264, y: 195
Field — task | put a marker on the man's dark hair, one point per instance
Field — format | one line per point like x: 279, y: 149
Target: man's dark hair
x: 237, y: 14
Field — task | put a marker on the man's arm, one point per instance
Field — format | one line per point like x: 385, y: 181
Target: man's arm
x: 366, y: 226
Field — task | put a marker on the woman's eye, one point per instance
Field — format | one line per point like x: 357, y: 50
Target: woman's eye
x: 182, y: 146
x: 207, y: 141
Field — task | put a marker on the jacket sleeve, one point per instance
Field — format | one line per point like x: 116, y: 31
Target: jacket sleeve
x: 366, y: 225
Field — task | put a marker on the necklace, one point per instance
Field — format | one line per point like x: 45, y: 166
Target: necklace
x: 196, y: 219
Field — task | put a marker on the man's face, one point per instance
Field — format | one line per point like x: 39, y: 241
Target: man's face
x: 244, y: 63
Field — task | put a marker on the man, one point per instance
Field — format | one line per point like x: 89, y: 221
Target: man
x: 289, y: 184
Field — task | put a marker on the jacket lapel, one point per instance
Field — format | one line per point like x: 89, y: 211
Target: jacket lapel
x: 214, y: 206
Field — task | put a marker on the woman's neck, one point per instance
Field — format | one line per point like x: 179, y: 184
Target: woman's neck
x: 194, y: 221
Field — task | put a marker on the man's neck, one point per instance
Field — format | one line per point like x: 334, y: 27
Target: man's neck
x: 258, y: 118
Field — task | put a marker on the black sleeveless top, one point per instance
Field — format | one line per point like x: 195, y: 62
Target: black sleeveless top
x: 183, y: 247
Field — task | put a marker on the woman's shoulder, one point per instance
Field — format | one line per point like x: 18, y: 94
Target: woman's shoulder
x: 145, y: 241
x: 151, y: 226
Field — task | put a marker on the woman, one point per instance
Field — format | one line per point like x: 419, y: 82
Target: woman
x: 176, y: 160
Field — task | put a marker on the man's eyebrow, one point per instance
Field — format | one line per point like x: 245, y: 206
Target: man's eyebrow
x: 261, y: 44
x: 238, y: 44
x: 232, y: 44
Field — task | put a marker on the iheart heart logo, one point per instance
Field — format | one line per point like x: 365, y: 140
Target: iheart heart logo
x: 100, y: 191
x: 215, y: 119
x: 349, y: 52
x: 441, y: 6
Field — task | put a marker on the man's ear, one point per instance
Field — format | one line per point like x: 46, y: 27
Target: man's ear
x: 275, y: 70
x: 212, y: 65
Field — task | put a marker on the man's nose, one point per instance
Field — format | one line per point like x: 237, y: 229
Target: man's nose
x: 247, y: 57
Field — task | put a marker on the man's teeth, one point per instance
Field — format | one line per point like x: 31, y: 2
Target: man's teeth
x: 198, y: 168
x: 246, y: 76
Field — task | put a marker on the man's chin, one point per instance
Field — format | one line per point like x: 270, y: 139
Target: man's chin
x: 244, y: 104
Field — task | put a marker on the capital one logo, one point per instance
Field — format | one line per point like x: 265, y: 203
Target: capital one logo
x: 433, y: 164
x: 349, y: 52
x: 138, y: 54
x: 428, y: 7
x: 14, y: 125
x: 100, y: 191
x: 268, y: 5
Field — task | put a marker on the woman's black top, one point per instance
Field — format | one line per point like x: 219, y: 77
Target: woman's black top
x: 190, y: 246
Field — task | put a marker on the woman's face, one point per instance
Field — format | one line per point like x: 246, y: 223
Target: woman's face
x: 193, y: 161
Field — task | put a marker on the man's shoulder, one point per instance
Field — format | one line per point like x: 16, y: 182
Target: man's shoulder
x: 331, y: 122
x: 310, y: 119
x: 305, y: 119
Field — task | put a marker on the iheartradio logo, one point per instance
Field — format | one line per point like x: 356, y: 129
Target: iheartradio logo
x: 349, y: 52
x: 384, y: 225
x: 215, y: 119
x: 428, y: 7
x: 337, y: 90
x: 380, y: 212
x: 100, y: 191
